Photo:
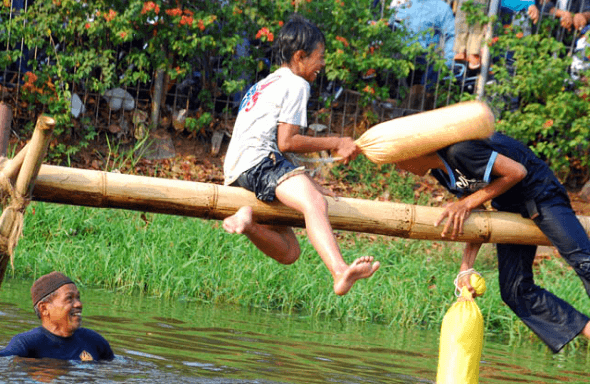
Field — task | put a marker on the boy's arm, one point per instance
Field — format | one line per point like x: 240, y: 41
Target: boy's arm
x: 508, y: 173
x: 469, y: 254
x: 290, y: 140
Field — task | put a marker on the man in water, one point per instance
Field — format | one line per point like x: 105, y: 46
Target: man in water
x: 56, y: 301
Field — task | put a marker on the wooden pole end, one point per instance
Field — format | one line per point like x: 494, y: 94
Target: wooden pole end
x: 45, y: 122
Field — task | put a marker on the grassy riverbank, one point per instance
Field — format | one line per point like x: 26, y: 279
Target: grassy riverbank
x: 193, y: 259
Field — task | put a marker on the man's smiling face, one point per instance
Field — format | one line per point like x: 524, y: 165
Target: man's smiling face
x: 64, y: 312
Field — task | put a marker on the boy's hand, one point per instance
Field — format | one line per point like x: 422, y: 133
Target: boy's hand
x: 464, y: 281
x: 347, y: 149
x: 456, y: 215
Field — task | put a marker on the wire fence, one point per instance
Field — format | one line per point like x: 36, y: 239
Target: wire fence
x: 334, y: 108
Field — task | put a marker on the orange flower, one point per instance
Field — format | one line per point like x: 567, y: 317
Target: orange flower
x: 111, y: 15
x: 186, y: 20
x: 548, y: 124
x: 174, y: 12
x: 87, y: 25
x: 266, y: 33
x: 369, y: 90
x: 201, y: 25
x: 281, y: 23
x: 342, y: 40
x: 150, y: 6
x: 30, y: 78
x: 519, y: 35
x: 123, y: 35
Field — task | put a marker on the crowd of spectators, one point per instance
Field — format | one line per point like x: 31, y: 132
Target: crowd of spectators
x: 444, y: 23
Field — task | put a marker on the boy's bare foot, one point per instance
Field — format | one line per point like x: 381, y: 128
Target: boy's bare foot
x: 239, y: 222
x: 361, y: 268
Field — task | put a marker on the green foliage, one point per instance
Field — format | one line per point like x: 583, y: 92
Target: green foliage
x: 533, y: 92
x: 96, y: 45
x: 196, y: 124
x: 375, y: 181
x: 475, y: 12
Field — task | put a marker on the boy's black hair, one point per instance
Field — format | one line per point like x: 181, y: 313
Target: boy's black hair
x: 298, y: 33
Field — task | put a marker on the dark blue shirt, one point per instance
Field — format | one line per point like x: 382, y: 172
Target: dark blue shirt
x: 84, y: 344
x: 469, y: 166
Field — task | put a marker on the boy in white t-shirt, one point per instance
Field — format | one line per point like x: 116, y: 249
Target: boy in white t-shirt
x: 268, y: 124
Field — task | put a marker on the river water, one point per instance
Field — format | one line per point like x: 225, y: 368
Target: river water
x: 165, y: 341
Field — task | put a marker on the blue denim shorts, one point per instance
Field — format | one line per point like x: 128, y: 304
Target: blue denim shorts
x: 263, y: 178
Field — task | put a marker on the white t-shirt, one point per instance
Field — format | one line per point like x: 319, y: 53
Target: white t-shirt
x: 280, y: 97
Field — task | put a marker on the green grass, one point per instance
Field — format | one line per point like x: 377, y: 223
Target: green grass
x: 193, y: 259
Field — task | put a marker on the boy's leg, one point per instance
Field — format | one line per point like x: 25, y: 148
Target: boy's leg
x: 554, y: 320
x: 278, y: 242
x: 559, y: 223
x: 300, y: 193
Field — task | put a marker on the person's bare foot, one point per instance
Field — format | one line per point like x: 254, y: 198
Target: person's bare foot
x: 239, y: 222
x: 361, y: 268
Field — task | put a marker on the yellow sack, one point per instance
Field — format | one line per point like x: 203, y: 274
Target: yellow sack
x: 461, y: 339
x: 423, y: 133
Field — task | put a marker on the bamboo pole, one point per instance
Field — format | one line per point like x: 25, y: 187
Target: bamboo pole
x: 12, y: 167
x: 11, y: 221
x: 211, y: 201
x: 5, y: 124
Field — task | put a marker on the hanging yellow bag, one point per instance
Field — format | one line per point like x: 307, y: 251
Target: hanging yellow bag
x: 461, y: 338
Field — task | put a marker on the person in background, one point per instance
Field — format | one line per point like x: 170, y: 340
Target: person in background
x: 516, y: 12
x: 430, y: 23
x: 468, y: 37
x: 507, y: 173
x: 56, y: 301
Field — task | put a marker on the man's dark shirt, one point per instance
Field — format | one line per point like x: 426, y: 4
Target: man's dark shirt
x: 84, y: 344
x: 469, y: 166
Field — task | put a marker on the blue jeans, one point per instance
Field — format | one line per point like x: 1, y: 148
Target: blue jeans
x: 554, y: 320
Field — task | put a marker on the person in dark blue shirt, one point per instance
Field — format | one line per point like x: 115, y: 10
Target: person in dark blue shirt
x: 508, y: 173
x: 56, y: 301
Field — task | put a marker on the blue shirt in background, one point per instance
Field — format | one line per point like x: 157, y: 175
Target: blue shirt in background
x: 431, y: 21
